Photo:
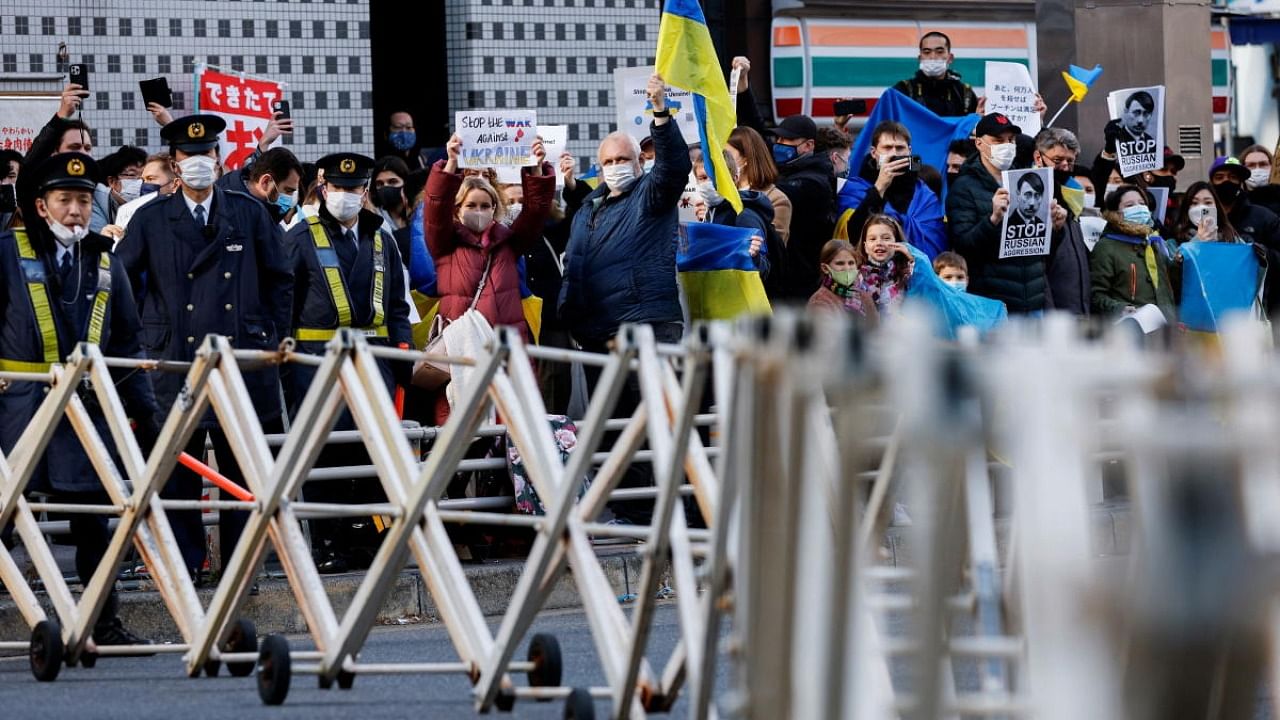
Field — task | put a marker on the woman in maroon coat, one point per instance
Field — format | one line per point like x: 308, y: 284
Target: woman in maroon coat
x: 464, y: 236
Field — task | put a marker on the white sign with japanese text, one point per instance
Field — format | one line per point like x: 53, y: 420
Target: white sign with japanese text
x: 22, y: 116
x: 1010, y: 91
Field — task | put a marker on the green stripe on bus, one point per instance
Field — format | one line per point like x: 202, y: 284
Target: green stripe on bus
x: 788, y: 72
x: 884, y: 72
x: 1221, y: 70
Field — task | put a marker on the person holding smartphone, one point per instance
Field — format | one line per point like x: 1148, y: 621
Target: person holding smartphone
x: 1201, y: 218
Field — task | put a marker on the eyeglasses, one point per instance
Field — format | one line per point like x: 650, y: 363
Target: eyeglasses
x: 1062, y: 163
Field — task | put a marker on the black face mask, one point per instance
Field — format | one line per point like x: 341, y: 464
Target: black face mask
x: 388, y: 197
x: 951, y: 177
x: 1164, y: 181
x: 1060, y: 177
x: 1228, y: 191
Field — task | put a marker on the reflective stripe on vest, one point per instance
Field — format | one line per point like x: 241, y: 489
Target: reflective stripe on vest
x: 34, y: 271
x: 327, y: 256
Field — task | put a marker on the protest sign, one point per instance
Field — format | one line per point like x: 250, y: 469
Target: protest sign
x: 1092, y: 227
x: 555, y: 140
x: 1010, y: 91
x: 244, y: 102
x: 1141, y: 115
x: 1027, y: 226
x: 634, y: 111
x: 22, y: 116
x: 687, y: 210
x: 1159, y: 196
x: 496, y: 138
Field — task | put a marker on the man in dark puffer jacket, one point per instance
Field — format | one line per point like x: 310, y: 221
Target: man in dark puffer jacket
x: 976, y: 205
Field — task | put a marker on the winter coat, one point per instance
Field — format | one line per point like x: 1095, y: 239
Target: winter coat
x: 1067, y: 270
x: 825, y: 300
x: 1018, y: 282
x: 620, y: 265
x: 809, y: 182
x: 460, y: 254
x: 947, y: 96
x: 909, y: 201
x: 1118, y: 271
x: 781, y: 212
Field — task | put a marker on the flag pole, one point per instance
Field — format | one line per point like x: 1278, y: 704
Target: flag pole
x: 1055, y: 115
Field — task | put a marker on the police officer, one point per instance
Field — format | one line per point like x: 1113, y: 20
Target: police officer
x: 59, y: 286
x: 935, y: 85
x: 347, y: 273
x: 208, y: 261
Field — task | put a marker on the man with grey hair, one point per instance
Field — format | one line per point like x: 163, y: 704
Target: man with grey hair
x: 620, y: 263
x: 1067, y: 267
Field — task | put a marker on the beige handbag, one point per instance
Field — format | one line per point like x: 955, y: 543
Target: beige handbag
x: 433, y: 375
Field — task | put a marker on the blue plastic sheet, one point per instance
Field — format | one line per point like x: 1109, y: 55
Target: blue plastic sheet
x: 951, y: 308
x: 1217, y: 279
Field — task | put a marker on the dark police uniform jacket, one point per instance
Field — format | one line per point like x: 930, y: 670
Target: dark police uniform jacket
x: 357, y: 272
x: 229, y: 278
x: 27, y: 271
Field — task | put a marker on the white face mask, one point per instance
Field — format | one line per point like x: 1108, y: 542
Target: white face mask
x: 1002, y: 155
x: 343, y: 205
x: 513, y: 212
x: 619, y: 176
x: 197, y: 171
x: 648, y: 165
x: 477, y: 220
x: 130, y: 188
x: 885, y: 159
x: 933, y: 68
x: 1197, y: 213
x: 67, y: 236
x: 961, y: 285
x: 1090, y: 200
x: 1259, y: 177
x: 709, y: 194
x: 1110, y: 189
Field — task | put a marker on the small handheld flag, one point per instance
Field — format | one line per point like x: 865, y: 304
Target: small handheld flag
x: 1079, y: 81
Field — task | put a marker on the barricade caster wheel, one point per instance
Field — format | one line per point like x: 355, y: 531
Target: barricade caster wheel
x: 579, y: 706
x: 88, y: 659
x: 346, y: 680
x: 505, y: 700
x: 544, y: 653
x: 46, y: 652
x: 243, y: 639
x: 212, y: 667
x: 324, y: 682
x: 274, y: 670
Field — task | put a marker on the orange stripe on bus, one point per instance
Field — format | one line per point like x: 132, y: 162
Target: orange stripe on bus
x: 848, y: 35
x: 1218, y: 40
x: 786, y: 36
x: 988, y: 38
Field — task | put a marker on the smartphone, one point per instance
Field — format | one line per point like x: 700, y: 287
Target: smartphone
x: 8, y: 198
x: 79, y: 74
x: 156, y: 90
x: 913, y: 166
x: 281, y: 108
x: 850, y: 107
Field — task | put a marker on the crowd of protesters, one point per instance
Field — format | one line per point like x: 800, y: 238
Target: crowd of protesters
x: 402, y: 246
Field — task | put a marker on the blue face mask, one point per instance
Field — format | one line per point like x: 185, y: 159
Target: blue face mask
x: 148, y: 188
x: 1138, y: 215
x: 783, y: 154
x: 284, y: 203
x: 403, y: 140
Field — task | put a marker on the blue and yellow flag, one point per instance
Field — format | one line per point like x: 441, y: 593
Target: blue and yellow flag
x: 686, y: 59
x: 1080, y: 80
x: 1073, y: 196
x: 1217, y: 279
x: 719, y: 277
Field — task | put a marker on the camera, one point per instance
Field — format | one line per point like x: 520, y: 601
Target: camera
x: 913, y: 166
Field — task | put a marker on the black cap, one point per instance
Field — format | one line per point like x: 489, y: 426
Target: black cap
x: 995, y: 124
x: 797, y: 127
x: 346, y: 169
x: 67, y: 171
x: 647, y: 140
x: 1174, y: 159
x: 193, y: 133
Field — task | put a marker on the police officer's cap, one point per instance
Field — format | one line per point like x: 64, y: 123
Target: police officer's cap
x: 193, y: 133
x: 346, y: 169
x: 66, y: 171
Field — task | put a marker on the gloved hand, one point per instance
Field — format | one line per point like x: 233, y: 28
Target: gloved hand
x: 1112, y: 134
x: 147, y: 431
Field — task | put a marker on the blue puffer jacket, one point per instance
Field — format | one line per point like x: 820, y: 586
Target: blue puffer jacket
x: 621, y: 259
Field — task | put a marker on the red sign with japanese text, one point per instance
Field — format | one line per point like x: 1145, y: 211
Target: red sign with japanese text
x: 245, y: 103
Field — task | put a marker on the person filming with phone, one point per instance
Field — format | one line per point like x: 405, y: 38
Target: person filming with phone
x: 888, y: 182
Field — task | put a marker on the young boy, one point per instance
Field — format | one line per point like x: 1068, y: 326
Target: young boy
x: 952, y: 270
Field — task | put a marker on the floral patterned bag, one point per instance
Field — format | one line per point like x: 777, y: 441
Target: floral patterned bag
x: 527, y: 500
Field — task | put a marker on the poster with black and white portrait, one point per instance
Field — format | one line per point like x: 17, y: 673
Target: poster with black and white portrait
x: 1027, y: 225
x: 1141, y: 114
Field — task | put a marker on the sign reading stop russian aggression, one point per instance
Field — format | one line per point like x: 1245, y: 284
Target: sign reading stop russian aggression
x: 245, y: 102
x: 496, y: 138
x: 1140, y: 146
x: 1027, y: 226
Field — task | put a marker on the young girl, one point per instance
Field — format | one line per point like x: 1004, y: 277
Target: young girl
x: 839, y: 268
x: 885, y: 264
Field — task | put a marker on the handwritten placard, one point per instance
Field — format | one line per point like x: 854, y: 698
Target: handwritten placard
x: 1010, y: 91
x: 496, y: 138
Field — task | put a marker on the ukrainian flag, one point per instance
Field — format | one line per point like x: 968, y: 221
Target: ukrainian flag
x: 1080, y: 80
x: 719, y: 277
x: 687, y: 59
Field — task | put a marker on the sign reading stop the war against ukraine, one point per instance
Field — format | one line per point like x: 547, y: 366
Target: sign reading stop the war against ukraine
x: 245, y: 102
x: 496, y: 138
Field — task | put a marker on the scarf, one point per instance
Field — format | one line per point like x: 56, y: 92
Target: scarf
x: 877, y: 281
x: 847, y: 293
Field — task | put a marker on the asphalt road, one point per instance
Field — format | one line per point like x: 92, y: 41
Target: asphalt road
x: 142, y: 688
